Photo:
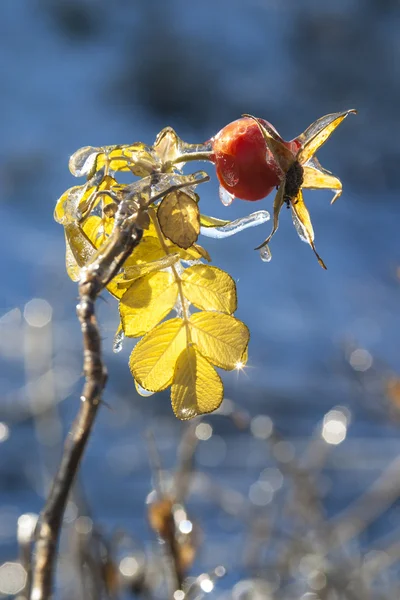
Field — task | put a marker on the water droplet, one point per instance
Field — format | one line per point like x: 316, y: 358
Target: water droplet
x: 118, y: 341
x: 257, y: 218
x: 141, y: 391
x: 265, y: 254
x: 226, y: 197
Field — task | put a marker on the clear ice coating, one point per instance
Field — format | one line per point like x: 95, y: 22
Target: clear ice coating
x: 141, y: 391
x: 265, y: 254
x: 301, y: 230
x: 252, y: 220
x: 83, y: 161
x: 226, y: 197
x: 118, y: 341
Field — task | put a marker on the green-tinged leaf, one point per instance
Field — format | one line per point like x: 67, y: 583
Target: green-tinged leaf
x: 317, y: 133
x: 206, y: 221
x: 197, y: 388
x: 220, y: 338
x: 146, y: 302
x: 153, y: 359
x: 179, y: 219
x: 209, y: 288
x: 302, y: 222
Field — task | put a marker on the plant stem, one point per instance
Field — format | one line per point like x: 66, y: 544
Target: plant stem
x: 95, y: 276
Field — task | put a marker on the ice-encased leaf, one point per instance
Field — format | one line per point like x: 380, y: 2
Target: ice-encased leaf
x: 67, y: 207
x: 83, y: 161
x: 232, y: 227
x: 171, y: 149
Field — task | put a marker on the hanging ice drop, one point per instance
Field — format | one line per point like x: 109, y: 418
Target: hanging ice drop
x: 118, y: 341
x: 265, y: 254
x: 225, y: 197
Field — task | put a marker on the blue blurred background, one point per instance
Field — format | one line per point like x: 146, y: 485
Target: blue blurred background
x: 91, y: 72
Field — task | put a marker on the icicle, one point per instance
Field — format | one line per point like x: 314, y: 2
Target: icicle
x: 118, y: 340
x: 226, y: 197
x: 256, y: 218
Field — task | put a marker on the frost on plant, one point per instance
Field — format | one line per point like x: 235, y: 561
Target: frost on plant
x: 169, y: 295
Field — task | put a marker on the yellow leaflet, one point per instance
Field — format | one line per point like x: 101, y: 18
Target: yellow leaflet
x: 179, y: 218
x: 148, y: 250
x: 153, y: 359
x: 220, y: 338
x: 76, y: 201
x: 81, y: 247
x: 197, y: 388
x: 210, y: 288
x: 146, y: 302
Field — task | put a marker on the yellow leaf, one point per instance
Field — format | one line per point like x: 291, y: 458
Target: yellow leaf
x: 136, y: 158
x: 197, y: 388
x: 179, y: 218
x: 209, y: 288
x: 148, y: 250
x: 153, y: 359
x: 146, y: 302
x: 220, y: 338
x: 98, y: 229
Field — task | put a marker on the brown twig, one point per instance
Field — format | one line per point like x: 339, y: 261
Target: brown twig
x: 95, y: 276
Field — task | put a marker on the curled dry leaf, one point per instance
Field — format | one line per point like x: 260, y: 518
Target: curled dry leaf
x: 179, y: 218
